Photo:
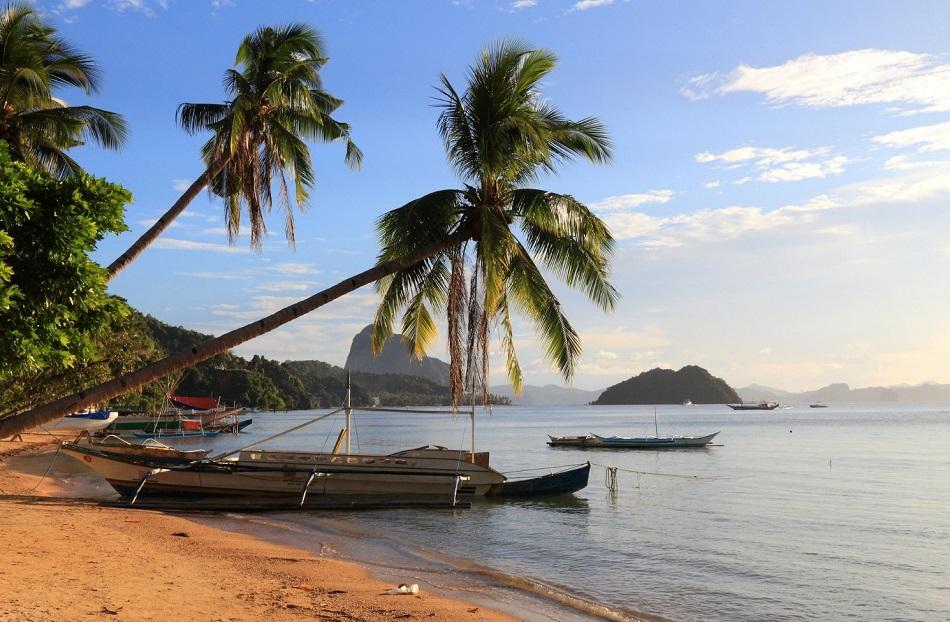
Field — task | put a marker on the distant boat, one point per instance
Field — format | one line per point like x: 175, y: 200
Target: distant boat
x: 86, y: 420
x: 687, y: 402
x: 632, y: 442
x: 763, y: 405
x: 818, y: 405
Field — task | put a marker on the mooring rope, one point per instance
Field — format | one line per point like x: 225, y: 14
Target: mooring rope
x: 676, y: 475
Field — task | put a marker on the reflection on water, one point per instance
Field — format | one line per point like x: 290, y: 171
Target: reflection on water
x: 798, y: 515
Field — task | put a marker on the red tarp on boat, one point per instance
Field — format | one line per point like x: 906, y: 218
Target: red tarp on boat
x: 194, y: 403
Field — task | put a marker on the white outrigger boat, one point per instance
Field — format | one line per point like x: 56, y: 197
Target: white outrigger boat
x: 632, y: 442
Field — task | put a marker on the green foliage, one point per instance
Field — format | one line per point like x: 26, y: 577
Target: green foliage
x: 38, y: 126
x: 499, y: 134
x: 54, y: 309
x: 275, y: 102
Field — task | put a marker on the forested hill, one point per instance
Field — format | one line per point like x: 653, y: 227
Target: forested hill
x: 665, y: 386
x: 270, y: 384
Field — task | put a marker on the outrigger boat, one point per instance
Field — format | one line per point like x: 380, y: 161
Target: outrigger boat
x: 295, y: 479
x: 632, y: 442
x: 754, y: 406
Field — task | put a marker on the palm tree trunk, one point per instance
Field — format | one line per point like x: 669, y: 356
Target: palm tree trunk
x: 162, y: 223
x: 15, y: 424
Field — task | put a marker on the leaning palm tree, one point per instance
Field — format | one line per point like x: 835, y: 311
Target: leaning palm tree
x: 39, y: 127
x: 499, y: 134
x: 276, y: 101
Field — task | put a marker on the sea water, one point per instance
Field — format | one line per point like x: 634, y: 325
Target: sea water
x: 794, y: 514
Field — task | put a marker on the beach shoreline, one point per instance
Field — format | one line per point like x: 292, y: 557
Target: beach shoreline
x: 73, y: 559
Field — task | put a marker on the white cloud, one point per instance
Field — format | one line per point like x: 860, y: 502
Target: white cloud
x: 517, y: 5
x: 631, y: 201
x: 148, y: 222
x: 189, y: 245
x: 712, y: 184
x: 926, y: 138
x: 868, y: 76
x: 777, y: 165
x: 181, y: 184
x: 763, y: 156
x: 583, y: 5
x: 286, y: 286
x: 905, y: 163
x: 295, y: 269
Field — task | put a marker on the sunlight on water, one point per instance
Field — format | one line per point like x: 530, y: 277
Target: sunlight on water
x: 799, y: 515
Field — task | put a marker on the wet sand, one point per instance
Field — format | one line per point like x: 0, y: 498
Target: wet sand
x: 69, y: 559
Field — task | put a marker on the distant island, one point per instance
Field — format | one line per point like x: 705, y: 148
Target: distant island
x: 840, y: 392
x: 665, y: 386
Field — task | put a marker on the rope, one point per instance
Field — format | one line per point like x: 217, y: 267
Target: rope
x: 279, y: 434
x: 48, y: 469
x: 678, y: 475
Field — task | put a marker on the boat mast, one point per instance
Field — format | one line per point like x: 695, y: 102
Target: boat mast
x: 473, y: 423
x: 347, y: 410
x: 656, y: 428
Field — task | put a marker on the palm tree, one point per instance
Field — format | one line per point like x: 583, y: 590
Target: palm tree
x: 499, y: 135
x: 37, y: 126
x: 276, y: 101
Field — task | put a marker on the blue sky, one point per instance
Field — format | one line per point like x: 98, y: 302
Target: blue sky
x: 779, y: 189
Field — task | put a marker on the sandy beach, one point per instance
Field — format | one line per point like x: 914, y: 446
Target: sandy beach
x: 66, y: 559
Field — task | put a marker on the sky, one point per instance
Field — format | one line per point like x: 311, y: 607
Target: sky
x: 779, y: 189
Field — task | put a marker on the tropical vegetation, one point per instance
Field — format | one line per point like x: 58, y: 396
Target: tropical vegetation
x: 37, y: 125
x: 500, y: 136
x: 61, y: 330
x: 276, y: 101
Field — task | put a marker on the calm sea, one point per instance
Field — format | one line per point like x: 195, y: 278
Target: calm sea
x: 796, y: 514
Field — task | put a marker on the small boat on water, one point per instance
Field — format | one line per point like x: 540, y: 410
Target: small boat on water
x: 818, y: 405
x: 85, y: 421
x: 763, y: 405
x: 632, y: 442
x: 559, y: 483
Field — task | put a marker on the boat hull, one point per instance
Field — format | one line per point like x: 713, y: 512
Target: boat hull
x: 83, y: 422
x: 562, y: 483
x: 760, y: 406
x: 627, y: 442
x: 286, y: 475
x: 649, y: 442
